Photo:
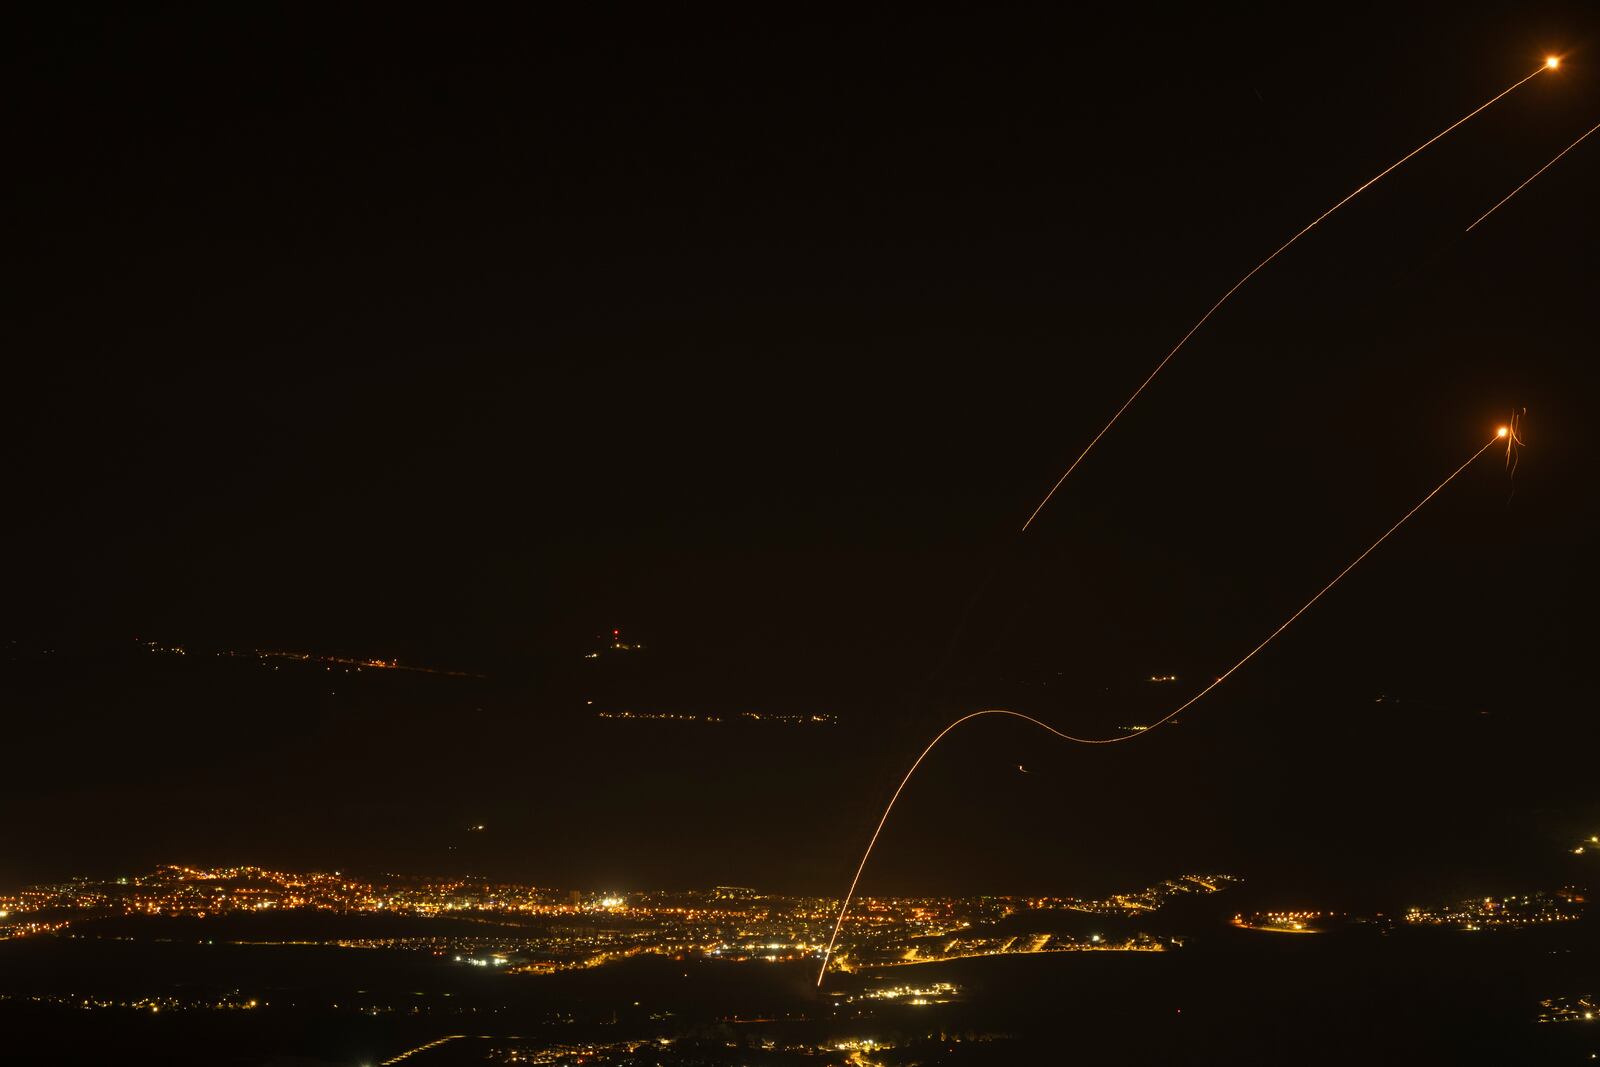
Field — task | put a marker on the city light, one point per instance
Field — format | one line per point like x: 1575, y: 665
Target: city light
x: 729, y: 924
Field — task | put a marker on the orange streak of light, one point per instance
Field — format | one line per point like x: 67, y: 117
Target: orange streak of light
x: 1535, y: 174
x: 1253, y: 270
x: 1248, y: 656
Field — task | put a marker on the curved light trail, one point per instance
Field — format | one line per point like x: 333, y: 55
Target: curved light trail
x: 1500, y: 436
x: 1535, y: 174
x: 1551, y: 63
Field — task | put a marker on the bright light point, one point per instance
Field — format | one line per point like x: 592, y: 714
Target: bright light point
x: 1501, y: 432
x: 1552, y: 62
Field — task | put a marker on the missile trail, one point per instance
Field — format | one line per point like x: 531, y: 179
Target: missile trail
x: 1549, y: 64
x: 1500, y: 436
x: 1536, y: 173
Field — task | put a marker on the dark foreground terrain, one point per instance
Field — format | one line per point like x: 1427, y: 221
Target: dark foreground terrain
x: 1355, y: 995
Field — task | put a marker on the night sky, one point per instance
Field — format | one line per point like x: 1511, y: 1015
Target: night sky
x: 462, y: 340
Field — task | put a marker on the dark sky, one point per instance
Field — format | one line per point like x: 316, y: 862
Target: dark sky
x: 461, y: 339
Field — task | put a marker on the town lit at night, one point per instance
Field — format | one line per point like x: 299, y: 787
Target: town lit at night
x: 805, y: 538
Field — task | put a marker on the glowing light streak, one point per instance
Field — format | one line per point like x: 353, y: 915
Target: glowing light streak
x: 1549, y: 64
x: 1535, y: 174
x: 1501, y: 434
